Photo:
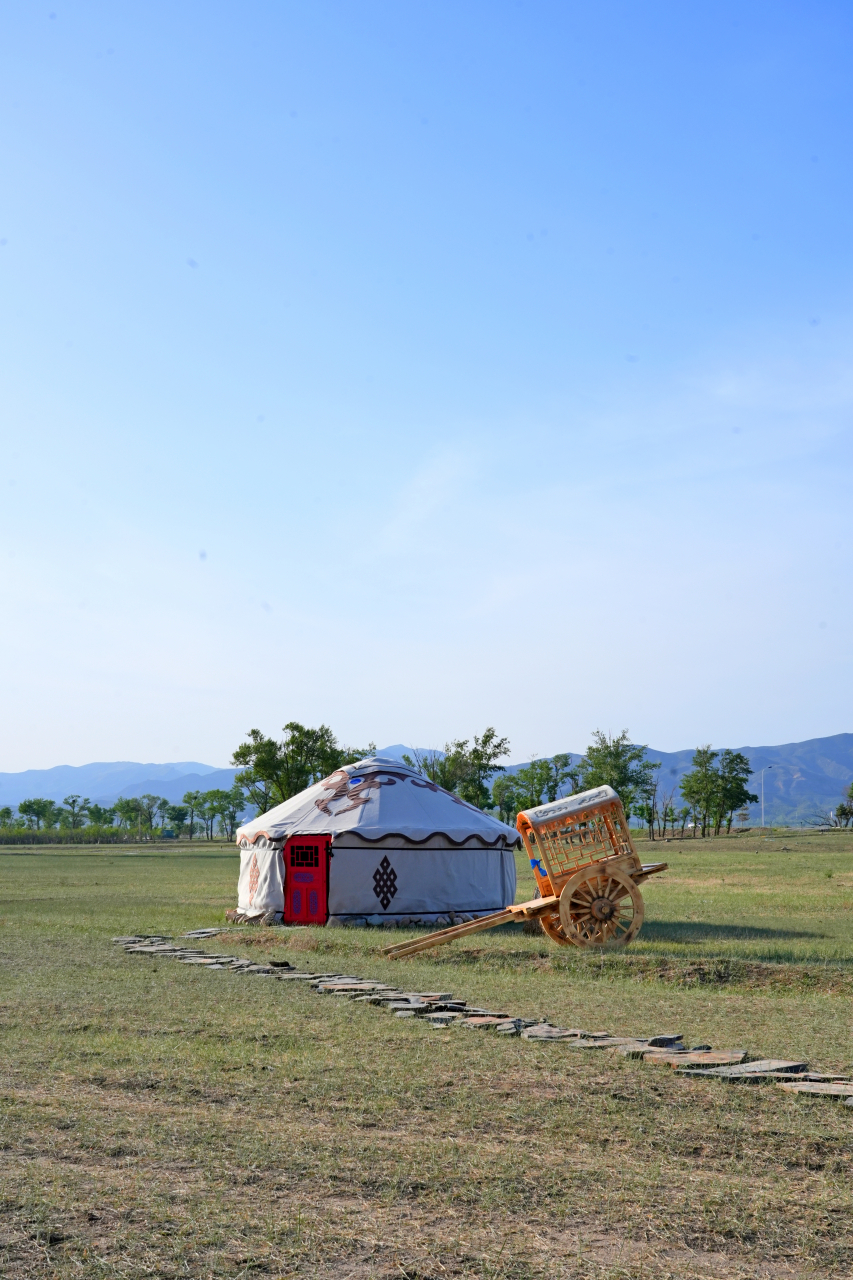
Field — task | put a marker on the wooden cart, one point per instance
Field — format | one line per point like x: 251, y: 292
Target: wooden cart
x: 587, y: 875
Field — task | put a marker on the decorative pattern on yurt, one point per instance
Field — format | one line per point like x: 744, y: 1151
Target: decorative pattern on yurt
x: 375, y: 842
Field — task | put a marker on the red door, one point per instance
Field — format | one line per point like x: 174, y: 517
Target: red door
x: 306, y: 880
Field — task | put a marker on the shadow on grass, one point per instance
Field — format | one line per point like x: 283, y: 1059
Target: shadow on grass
x: 704, y: 931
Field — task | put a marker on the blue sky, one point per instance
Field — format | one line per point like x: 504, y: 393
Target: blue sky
x: 416, y: 367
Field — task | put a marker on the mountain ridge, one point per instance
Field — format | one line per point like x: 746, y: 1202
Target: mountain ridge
x: 801, y: 780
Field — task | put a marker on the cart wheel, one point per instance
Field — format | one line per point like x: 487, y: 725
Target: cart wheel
x: 598, y: 906
x: 549, y: 924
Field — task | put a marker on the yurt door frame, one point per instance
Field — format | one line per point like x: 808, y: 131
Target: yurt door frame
x: 306, y: 879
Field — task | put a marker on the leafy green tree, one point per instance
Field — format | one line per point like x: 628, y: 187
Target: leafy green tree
x: 193, y: 800
x: 647, y: 812
x: 271, y: 772
x: 733, y: 793
x: 30, y: 811
x: 75, y: 811
x: 701, y: 786
x: 505, y: 797
x: 39, y: 812
x: 620, y: 764
x: 148, y: 808
x: 532, y: 782
x: 561, y: 773
x: 844, y: 810
x: 540, y: 782
x: 101, y: 817
x: 229, y: 806
x: 445, y: 768
x: 176, y: 816
x: 129, y: 812
x: 5, y: 817
x: 207, y: 812
x: 482, y: 763
x: 224, y: 805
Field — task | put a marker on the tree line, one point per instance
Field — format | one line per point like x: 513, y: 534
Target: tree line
x: 201, y: 813
x: 708, y: 797
x: 271, y: 771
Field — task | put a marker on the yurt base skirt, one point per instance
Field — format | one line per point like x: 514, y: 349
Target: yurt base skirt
x: 437, y: 921
x: 273, y: 918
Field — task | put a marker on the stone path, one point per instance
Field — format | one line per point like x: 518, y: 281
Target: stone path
x: 440, y: 1010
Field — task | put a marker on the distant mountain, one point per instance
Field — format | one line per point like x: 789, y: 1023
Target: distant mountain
x: 105, y: 782
x: 801, y: 779
x: 174, y: 789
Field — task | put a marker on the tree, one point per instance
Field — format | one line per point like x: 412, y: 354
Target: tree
x: 31, y: 812
x: 481, y: 764
x: 506, y: 798
x: 561, y: 773
x: 39, y: 812
x: 193, y: 800
x: 207, y: 811
x: 148, y: 808
x: 532, y: 782
x: 445, y: 768
x: 127, y: 810
x: 5, y: 817
x: 224, y: 805
x: 617, y: 763
x: 734, y: 771
x: 700, y: 787
x: 75, y: 810
x: 228, y: 807
x: 272, y: 772
x: 844, y: 810
x: 100, y: 817
x: 176, y: 815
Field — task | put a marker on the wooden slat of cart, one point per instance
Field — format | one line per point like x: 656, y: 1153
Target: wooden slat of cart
x: 524, y: 910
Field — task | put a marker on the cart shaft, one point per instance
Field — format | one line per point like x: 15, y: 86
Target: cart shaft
x: 526, y: 910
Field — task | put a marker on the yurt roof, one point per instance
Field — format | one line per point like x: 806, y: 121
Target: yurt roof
x: 376, y: 798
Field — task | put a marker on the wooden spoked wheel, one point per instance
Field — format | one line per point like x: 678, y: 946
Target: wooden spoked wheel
x: 552, y: 925
x: 599, y: 906
x: 549, y: 923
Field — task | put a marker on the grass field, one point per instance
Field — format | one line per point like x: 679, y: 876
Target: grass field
x: 158, y: 1120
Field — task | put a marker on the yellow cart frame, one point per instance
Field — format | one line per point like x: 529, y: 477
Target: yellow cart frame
x: 587, y: 874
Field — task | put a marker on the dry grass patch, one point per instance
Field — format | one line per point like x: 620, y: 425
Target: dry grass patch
x: 158, y: 1120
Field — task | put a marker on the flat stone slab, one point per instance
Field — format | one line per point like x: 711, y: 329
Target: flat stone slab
x: 837, y: 1089
x: 697, y: 1057
x: 514, y: 1026
x: 541, y: 1031
x: 748, y: 1070
x: 603, y: 1042
x: 352, y: 988
x: 482, y: 1021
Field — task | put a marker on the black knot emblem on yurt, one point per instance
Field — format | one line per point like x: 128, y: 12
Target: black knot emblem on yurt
x: 385, y: 883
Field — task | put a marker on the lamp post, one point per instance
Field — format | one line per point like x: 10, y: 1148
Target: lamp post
x: 763, y: 771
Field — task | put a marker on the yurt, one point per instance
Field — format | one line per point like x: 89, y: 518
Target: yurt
x: 375, y: 843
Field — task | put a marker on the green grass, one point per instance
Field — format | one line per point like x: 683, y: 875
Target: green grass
x: 156, y: 1120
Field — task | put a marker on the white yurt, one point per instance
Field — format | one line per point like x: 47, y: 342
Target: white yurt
x: 375, y: 843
